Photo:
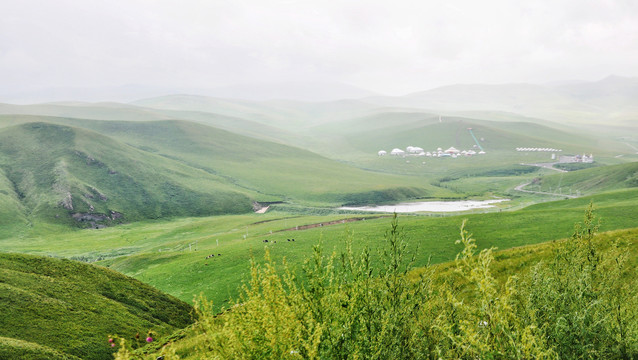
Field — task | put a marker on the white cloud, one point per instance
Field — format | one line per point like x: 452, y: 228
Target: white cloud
x: 388, y: 46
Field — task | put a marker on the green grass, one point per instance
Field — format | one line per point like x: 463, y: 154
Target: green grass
x: 590, y: 181
x: 202, y: 159
x: 509, y: 279
x: 67, y: 309
x: 14, y: 349
x: 171, y: 255
x: 56, y: 171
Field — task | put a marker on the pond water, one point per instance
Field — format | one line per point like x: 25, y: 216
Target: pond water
x: 429, y: 206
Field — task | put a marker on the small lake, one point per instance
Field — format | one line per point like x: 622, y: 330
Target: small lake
x: 429, y: 206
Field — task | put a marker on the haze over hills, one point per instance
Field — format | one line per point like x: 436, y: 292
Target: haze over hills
x: 610, y: 100
x: 300, y: 91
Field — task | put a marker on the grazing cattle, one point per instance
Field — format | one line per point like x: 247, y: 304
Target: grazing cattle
x: 288, y: 239
x: 292, y: 240
x: 265, y: 240
x: 219, y: 254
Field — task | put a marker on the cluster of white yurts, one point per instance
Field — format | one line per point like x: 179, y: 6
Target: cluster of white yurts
x: 417, y: 151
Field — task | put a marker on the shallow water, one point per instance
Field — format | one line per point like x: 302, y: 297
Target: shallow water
x: 429, y: 206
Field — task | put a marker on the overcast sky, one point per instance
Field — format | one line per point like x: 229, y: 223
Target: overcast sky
x: 392, y: 47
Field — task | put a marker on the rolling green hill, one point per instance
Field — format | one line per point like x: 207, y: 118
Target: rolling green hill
x: 61, y: 309
x: 102, y: 172
x: 359, y: 143
x: 275, y: 171
x: 590, y: 181
x: 58, y: 173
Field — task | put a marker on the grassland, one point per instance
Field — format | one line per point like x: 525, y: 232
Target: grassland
x: 171, y: 255
x: 61, y: 309
x: 503, y: 277
x: 590, y: 181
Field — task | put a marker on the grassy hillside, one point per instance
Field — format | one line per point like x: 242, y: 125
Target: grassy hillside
x: 276, y: 171
x: 63, y: 113
x: 126, y: 171
x: 61, y: 309
x: 498, y: 138
x: 589, y: 181
x: 59, y: 173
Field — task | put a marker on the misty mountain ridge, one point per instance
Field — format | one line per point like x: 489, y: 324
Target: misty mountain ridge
x: 301, y: 91
x: 305, y: 91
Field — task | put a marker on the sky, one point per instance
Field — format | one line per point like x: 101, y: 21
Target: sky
x: 391, y: 47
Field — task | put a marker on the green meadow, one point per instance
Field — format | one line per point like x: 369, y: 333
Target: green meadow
x: 172, y: 255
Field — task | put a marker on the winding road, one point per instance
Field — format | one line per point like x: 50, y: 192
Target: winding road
x: 520, y: 188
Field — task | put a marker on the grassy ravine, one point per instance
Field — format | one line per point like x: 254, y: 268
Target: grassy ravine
x: 570, y: 299
x: 62, y: 309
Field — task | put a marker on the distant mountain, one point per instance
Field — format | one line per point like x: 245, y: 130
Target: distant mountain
x: 86, y: 110
x: 612, y: 86
x: 123, y: 93
x: 301, y: 91
x: 608, y: 101
x: 284, y: 114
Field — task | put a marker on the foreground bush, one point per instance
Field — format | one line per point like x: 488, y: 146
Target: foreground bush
x: 581, y: 304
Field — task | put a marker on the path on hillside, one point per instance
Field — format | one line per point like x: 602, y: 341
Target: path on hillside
x: 631, y: 146
x: 520, y: 188
x: 549, y: 166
